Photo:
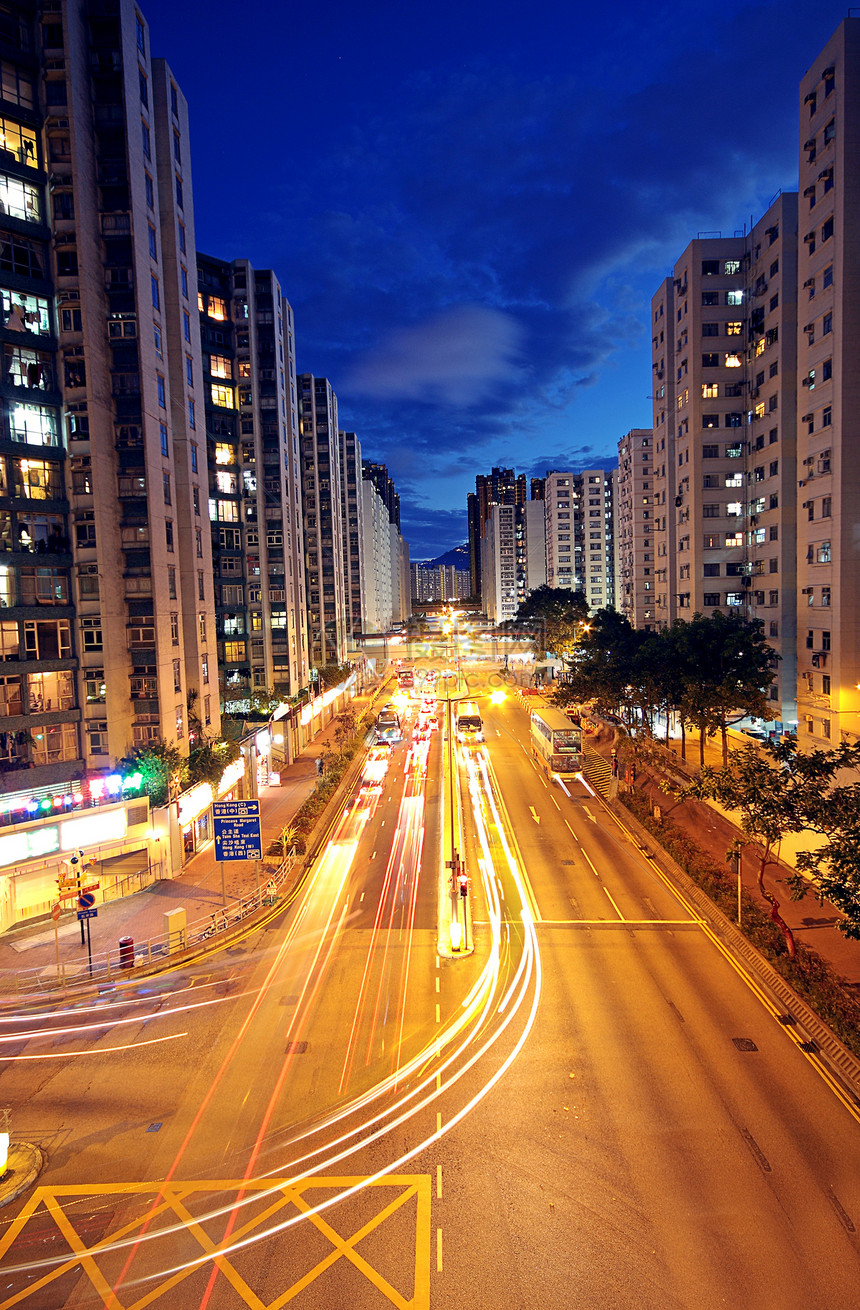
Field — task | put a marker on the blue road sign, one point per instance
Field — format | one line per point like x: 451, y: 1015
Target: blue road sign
x: 88, y: 914
x: 237, y: 830
x: 86, y: 900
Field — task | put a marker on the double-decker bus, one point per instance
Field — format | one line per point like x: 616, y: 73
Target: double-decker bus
x: 388, y: 725
x: 405, y: 679
x: 469, y: 728
x: 556, y: 742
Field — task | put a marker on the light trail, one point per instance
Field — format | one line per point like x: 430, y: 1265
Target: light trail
x: 455, y: 1045
x: 103, y: 1050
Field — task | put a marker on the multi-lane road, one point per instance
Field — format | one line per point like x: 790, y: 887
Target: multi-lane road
x: 593, y: 1108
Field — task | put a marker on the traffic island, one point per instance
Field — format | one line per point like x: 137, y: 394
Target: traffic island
x: 25, y: 1163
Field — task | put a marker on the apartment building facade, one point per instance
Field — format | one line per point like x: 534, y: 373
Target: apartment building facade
x: 635, y: 515
x: 322, y: 520
x: 499, y: 565
x: 99, y: 326
x: 499, y: 487
x: 246, y: 328
x: 352, y: 509
x: 828, y: 467
x: 725, y: 451
x: 579, y: 513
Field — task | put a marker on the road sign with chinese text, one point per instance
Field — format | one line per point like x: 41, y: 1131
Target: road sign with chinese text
x: 237, y: 830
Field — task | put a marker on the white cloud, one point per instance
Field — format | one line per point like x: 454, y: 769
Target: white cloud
x: 453, y: 357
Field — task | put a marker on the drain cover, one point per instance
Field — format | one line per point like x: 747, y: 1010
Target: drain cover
x: 296, y: 1048
x: 745, y: 1043
x: 809, y: 1047
x: 153, y: 1128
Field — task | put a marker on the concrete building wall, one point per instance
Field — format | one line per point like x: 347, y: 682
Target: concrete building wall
x: 635, y: 528
x: 323, y: 520
x: 828, y: 469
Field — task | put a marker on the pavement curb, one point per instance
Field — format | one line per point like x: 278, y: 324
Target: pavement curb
x: 827, y: 1045
x: 26, y: 1162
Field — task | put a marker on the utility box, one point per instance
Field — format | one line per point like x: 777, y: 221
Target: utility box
x: 175, y: 923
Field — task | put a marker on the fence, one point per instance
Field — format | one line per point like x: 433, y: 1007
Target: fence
x: 109, y: 966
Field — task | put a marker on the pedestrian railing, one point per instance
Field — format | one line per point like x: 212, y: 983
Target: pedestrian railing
x: 106, y: 967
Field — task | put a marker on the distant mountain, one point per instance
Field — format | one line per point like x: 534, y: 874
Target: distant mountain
x: 459, y: 557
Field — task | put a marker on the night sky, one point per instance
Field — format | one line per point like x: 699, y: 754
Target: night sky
x: 470, y: 206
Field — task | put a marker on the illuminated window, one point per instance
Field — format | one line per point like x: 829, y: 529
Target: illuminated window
x: 217, y: 308
x: 220, y: 366
x: 734, y: 329
x: 223, y: 396
x: 20, y: 200
x: 20, y: 141
x: 710, y: 390
x: 732, y: 360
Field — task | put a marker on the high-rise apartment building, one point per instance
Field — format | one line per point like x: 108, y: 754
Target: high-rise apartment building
x: 352, y: 509
x: 635, y: 528
x: 439, y: 582
x: 500, y: 487
x: 580, y: 534
x: 323, y: 520
x: 99, y: 326
x: 725, y: 453
x: 828, y: 467
x: 498, y: 564
x: 246, y: 328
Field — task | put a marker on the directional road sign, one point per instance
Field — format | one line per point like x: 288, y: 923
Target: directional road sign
x: 237, y: 830
x: 88, y: 914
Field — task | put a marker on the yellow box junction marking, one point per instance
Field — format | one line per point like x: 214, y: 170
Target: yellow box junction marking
x: 173, y: 1199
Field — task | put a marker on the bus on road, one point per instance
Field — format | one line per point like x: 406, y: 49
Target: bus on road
x: 388, y: 725
x: 556, y: 742
x: 469, y: 728
x: 405, y: 679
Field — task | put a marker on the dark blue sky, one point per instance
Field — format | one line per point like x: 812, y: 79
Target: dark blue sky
x: 469, y: 206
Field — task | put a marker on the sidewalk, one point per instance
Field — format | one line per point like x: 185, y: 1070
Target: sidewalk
x: 197, y: 889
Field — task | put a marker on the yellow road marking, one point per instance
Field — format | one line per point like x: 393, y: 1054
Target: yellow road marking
x: 438, y: 1250
x: 614, y: 906
x: 438, y: 1182
x: 283, y: 1193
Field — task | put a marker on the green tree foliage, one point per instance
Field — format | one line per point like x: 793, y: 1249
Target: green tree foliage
x: 707, y: 671
x: 777, y: 790
x: 208, y: 761
x: 556, y: 616
x: 606, y: 669
x: 729, y: 667
x: 332, y: 675
x: 159, y: 762
x: 344, y: 730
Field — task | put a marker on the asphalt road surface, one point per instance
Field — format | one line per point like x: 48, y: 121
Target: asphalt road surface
x: 595, y: 1108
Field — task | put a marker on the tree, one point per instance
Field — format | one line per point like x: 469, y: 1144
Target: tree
x: 163, y: 766
x: 332, y: 675
x: 730, y: 669
x: 207, y: 761
x: 558, y: 615
x: 344, y: 730
x: 778, y: 790
x: 606, y: 666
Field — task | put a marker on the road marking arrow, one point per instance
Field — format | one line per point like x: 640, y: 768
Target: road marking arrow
x: 534, y: 814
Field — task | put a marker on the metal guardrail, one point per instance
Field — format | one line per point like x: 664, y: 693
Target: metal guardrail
x: 109, y: 966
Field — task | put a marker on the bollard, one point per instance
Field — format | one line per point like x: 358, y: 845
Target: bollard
x: 126, y: 952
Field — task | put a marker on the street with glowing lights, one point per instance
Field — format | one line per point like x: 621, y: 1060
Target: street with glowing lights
x: 558, y: 1090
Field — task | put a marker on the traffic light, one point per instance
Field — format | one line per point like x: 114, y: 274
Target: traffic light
x: 464, y: 884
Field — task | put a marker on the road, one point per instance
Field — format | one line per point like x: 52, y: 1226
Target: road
x: 592, y: 1109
